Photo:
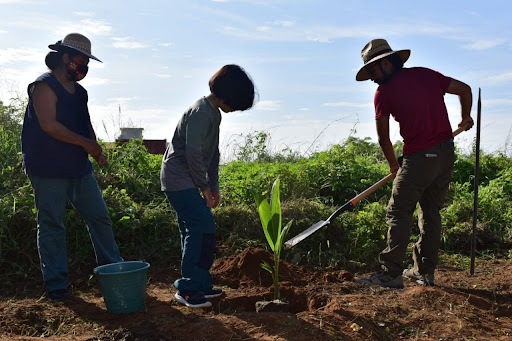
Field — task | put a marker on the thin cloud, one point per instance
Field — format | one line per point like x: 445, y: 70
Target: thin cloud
x: 261, y: 33
x: 128, y: 43
x: 348, y: 104
x: 290, y: 31
x: 84, y: 14
x: 44, y: 25
x: 88, y: 27
x: 502, y: 78
x: 483, y: 44
x: 268, y: 105
x: 97, y: 27
x: 284, y: 23
x: 11, y: 55
x: 263, y: 28
x: 94, y: 81
x: 497, y: 102
x: 122, y: 99
x: 275, y: 24
x: 220, y: 14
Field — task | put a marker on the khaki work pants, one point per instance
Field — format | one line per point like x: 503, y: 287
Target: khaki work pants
x: 423, y: 178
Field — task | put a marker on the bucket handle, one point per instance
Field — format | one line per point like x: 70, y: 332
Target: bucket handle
x: 95, y: 270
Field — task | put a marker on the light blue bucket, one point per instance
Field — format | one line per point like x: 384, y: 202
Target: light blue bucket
x: 123, y: 285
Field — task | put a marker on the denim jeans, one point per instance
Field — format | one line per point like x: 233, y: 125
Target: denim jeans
x: 197, y: 229
x: 423, y: 178
x: 51, y: 197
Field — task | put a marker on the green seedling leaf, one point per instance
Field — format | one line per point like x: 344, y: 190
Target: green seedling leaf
x: 275, y: 203
x: 265, y: 216
x: 282, y: 238
x: 266, y: 266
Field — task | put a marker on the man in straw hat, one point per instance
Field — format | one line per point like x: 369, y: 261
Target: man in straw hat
x: 57, y: 138
x: 415, y: 98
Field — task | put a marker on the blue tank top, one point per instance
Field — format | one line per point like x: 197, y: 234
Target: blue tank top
x: 42, y: 154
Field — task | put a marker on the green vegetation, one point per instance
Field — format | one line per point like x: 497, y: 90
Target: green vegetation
x: 271, y: 221
x: 311, y: 188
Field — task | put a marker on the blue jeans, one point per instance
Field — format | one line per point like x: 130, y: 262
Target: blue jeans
x: 197, y: 229
x: 51, y: 198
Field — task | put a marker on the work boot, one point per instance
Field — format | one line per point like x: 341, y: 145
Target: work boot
x: 383, y: 279
x: 426, y: 279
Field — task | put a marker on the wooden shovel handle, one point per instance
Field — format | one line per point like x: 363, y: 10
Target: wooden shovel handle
x: 459, y: 130
x: 385, y: 180
x: 372, y: 189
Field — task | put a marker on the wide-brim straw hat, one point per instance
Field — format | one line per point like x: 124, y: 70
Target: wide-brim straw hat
x: 75, y: 41
x: 375, y: 50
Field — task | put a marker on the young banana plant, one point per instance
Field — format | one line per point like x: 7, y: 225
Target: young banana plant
x: 271, y: 220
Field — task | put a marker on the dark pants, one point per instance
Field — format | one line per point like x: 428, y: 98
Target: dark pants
x: 424, y: 177
x: 197, y: 229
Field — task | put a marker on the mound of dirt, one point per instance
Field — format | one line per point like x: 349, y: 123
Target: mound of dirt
x: 244, y: 270
x: 303, y: 289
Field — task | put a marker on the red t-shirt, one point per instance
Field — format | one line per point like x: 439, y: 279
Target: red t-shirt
x: 415, y: 99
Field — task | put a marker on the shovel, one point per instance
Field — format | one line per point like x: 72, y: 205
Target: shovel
x: 347, y: 206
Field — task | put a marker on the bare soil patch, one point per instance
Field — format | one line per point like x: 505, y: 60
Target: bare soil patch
x: 324, y: 305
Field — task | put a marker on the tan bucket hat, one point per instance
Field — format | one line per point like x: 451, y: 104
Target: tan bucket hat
x: 375, y: 50
x: 77, y: 42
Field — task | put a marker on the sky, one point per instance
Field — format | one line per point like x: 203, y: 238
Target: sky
x: 303, y: 55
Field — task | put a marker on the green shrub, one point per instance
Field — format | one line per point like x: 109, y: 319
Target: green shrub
x: 367, y: 238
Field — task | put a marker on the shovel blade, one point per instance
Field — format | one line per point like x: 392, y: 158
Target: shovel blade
x: 306, y: 233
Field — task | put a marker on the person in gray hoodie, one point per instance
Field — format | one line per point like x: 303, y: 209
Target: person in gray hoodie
x: 190, y: 167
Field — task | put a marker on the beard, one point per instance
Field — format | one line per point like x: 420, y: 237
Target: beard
x: 384, y: 79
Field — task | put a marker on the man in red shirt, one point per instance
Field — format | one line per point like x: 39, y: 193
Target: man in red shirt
x: 415, y: 99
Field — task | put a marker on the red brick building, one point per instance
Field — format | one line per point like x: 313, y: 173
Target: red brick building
x: 153, y: 146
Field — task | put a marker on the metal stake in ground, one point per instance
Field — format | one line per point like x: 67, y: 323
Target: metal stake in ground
x: 477, y: 173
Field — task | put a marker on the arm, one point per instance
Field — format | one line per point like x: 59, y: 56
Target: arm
x: 385, y: 143
x: 213, y: 176
x: 466, y: 101
x: 45, y: 104
x: 196, y: 127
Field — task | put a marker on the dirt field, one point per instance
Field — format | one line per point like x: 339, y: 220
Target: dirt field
x: 323, y: 306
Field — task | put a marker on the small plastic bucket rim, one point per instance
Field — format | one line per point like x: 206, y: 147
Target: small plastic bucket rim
x: 96, y: 270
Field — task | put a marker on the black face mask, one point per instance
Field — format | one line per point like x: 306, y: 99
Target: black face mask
x: 76, y: 72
